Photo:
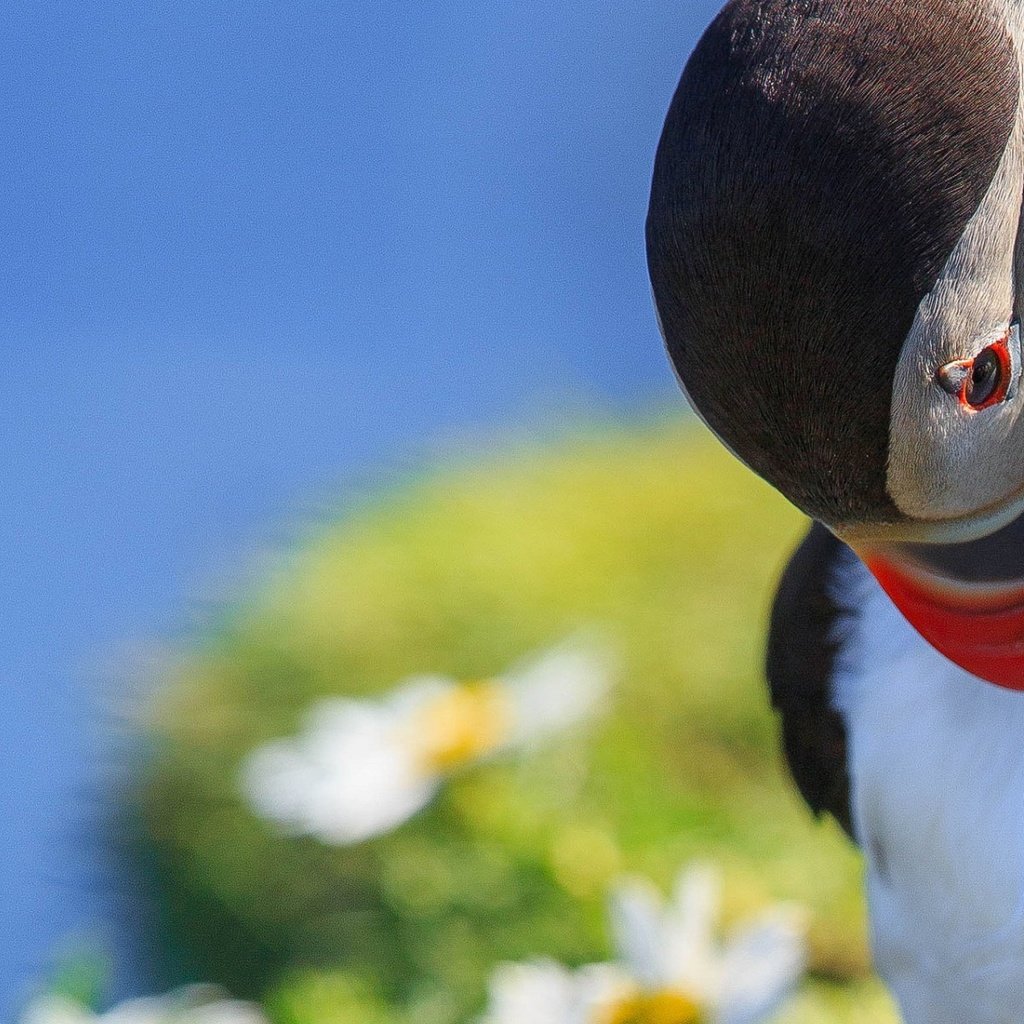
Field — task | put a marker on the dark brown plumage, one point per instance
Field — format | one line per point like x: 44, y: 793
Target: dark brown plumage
x: 802, y: 649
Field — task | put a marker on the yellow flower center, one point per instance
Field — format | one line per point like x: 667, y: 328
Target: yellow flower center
x: 462, y: 725
x: 667, y: 1006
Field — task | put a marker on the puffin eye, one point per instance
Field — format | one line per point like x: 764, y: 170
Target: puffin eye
x: 982, y: 381
x: 985, y: 382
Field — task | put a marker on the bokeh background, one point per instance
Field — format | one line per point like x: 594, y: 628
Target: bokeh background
x: 257, y: 260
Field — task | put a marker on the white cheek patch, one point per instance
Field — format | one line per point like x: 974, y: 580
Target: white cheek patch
x: 1015, y: 361
x: 947, y: 461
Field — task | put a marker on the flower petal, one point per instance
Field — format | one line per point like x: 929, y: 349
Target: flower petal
x: 558, y: 688
x: 539, y: 993
x: 599, y: 987
x: 761, y: 965
x: 194, y: 1004
x: 637, y: 930
x: 544, y: 992
x: 275, y: 779
x: 414, y: 693
x: 225, y: 1011
x: 691, y: 953
x: 54, y: 1009
x: 348, y: 777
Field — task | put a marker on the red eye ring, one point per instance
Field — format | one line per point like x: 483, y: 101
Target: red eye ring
x: 980, y: 382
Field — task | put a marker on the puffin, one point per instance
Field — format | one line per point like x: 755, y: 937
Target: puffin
x: 836, y: 255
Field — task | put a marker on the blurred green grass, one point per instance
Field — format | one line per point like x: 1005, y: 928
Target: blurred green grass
x: 653, y: 534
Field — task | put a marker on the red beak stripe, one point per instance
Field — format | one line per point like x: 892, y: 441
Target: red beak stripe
x: 979, y: 626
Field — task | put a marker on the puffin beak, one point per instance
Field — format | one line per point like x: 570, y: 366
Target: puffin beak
x: 966, y: 600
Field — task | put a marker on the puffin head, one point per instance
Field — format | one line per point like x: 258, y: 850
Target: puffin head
x: 834, y: 248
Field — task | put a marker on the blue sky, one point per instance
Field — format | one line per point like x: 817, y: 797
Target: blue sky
x: 249, y: 254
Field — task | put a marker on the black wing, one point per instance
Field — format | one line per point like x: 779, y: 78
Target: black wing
x: 802, y: 649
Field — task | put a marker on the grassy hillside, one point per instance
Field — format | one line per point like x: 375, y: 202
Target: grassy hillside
x: 653, y: 536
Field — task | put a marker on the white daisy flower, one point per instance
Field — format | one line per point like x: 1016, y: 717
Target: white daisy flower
x: 360, y: 768
x: 198, y: 1004
x: 670, y: 968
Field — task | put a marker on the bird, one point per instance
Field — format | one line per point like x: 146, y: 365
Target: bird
x: 835, y: 250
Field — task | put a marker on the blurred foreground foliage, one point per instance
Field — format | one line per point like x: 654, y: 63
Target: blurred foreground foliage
x: 656, y: 536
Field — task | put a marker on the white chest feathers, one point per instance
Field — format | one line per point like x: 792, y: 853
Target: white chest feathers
x: 936, y: 760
